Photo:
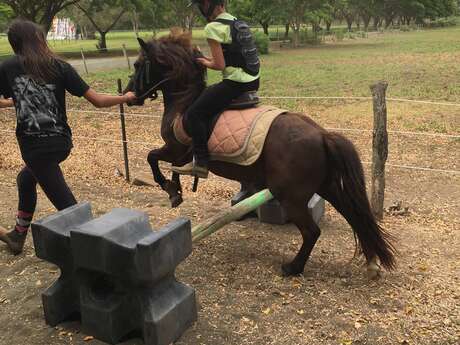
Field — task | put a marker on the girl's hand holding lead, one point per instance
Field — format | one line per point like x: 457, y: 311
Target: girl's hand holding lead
x: 130, y: 97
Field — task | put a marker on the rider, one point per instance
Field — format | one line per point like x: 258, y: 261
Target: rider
x: 35, y: 82
x: 237, y: 80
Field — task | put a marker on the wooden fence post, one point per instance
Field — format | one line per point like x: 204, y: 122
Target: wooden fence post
x: 379, y: 148
x: 123, y: 133
x: 84, y: 60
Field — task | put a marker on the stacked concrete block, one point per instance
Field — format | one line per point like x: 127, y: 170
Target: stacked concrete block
x: 273, y: 213
x: 121, y: 274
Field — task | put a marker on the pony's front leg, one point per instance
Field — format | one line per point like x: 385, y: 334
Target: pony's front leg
x: 172, y: 187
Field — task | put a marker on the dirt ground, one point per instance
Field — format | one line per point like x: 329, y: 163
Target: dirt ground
x: 243, y: 299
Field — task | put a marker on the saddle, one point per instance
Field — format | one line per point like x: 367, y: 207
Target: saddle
x: 246, y: 100
x: 238, y: 133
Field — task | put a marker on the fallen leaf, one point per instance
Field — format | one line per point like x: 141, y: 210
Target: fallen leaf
x: 300, y: 311
x: 88, y: 338
x: 266, y: 311
x: 409, y: 310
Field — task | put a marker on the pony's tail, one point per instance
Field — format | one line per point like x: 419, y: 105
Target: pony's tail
x: 347, y: 193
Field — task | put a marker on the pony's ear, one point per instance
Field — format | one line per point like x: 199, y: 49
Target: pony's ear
x: 143, y: 45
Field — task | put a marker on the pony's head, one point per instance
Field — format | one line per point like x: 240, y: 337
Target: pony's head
x: 168, y: 64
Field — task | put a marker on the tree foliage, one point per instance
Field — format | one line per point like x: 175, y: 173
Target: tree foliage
x: 39, y: 11
x: 104, y: 15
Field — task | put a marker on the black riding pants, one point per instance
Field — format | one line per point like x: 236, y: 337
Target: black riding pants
x: 45, y: 171
x: 211, y: 102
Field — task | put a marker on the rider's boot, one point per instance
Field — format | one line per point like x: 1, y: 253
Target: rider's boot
x: 198, y: 168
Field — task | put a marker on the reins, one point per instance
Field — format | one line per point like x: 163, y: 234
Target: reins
x: 153, y: 90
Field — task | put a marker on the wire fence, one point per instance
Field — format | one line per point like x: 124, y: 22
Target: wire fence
x: 118, y: 143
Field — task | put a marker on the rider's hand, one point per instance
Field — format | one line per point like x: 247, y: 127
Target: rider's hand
x: 129, y: 97
x: 205, y: 62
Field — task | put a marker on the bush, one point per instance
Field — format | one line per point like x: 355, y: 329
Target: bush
x: 442, y: 23
x: 262, y: 42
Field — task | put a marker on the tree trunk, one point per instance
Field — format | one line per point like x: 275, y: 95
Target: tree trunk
x: 388, y: 21
x: 296, y: 41
x: 47, y: 22
x: 376, y: 23
x: 366, y: 20
x: 102, y: 45
x: 265, y: 27
x: 135, y: 22
x: 349, y: 23
x: 328, y: 25
x: 286, y: 32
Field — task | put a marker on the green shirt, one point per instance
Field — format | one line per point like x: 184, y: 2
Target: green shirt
x: 222, y: 33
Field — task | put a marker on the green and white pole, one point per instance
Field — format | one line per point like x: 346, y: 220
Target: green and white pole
x: 235, y: 212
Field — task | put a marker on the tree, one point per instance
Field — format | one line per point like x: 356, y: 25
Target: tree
x: 5, y: 15
x: 104, y: 15
x: 262, y: 12
x: 183, y: 14
x: 347, y: 11
x: 39, y: 11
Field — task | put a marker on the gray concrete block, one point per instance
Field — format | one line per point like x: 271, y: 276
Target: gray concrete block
x: 51, y: 237
x: 273, y: 213
x: 119, y: 274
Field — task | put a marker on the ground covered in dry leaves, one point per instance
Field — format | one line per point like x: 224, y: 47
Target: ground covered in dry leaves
x: 236, y: 272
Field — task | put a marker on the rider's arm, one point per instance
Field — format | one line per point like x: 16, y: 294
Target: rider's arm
x: 6, y: 103
x: 103, y: 101
x: 217, y: 61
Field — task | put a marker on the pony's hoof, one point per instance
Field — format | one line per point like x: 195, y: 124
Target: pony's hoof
x: 290, y: 270
x: 373, y: 271
x: 176, y: 201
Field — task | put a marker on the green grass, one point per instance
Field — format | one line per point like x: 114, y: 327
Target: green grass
x: 115, y: 40
x: 417, y: 64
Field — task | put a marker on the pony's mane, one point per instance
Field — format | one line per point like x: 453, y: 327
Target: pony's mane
x: 176, y: 56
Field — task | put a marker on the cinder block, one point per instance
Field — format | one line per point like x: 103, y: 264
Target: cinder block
x: 273, y: 213
x: 245, y: 192
x: 51, y: 237
x: 120, y: 274
x: 317, y: 207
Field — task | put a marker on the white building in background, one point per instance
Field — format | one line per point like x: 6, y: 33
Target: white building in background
x: 62, y: 29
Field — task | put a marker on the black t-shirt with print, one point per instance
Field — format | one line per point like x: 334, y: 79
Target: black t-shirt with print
x: 41, y: 107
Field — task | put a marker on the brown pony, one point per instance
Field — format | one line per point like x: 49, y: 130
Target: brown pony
x: 299, y: 157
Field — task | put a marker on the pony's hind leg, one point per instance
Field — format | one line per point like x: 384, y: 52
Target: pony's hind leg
x: 298, y: 213
x: 373, y: 269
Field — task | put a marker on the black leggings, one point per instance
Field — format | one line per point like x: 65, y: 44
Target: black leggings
x: 46, y: 172
x: 211, y: 102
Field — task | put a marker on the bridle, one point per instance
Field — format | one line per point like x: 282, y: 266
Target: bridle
x: 145, y: 79
x: 152, y: 92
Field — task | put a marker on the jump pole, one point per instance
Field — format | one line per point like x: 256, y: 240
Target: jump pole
x: 235, y: 212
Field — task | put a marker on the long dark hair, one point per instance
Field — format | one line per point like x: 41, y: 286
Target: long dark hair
x: 28, y: 41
